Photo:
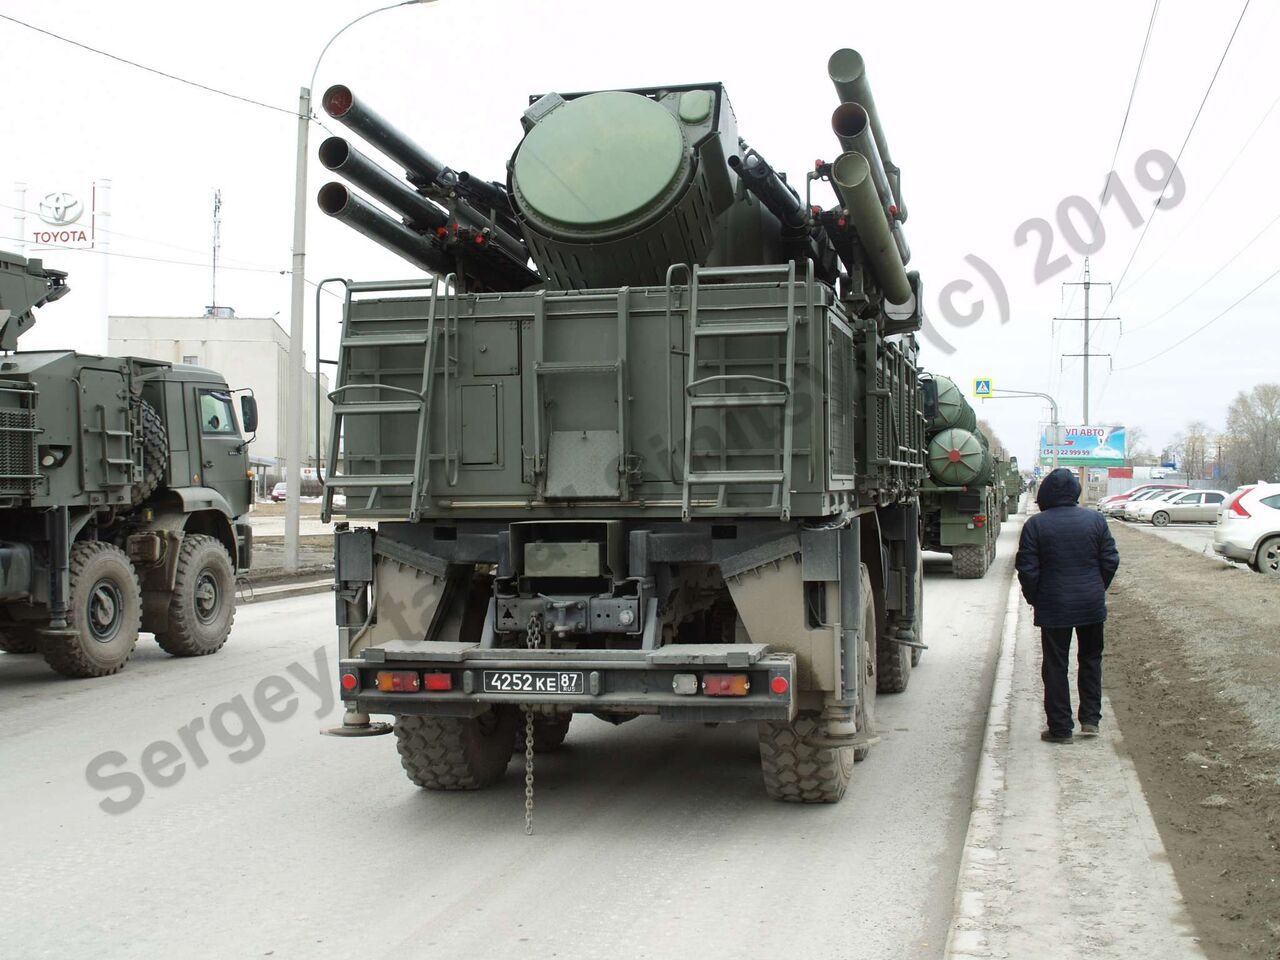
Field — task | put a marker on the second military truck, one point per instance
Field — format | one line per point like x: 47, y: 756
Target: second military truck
x: 124, y: 494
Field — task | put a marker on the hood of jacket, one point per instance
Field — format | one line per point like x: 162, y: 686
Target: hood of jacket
x: 1059, y: 489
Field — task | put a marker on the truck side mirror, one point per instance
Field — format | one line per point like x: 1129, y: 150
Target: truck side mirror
x: 249, y: 413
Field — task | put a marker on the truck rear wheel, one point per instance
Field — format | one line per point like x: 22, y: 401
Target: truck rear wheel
x: 18, y: 639
x: 969, y: 561
x: 103, y: 616
x: 797, y: 771
x: 457, y: 753
x: 797, y: 766
x: 893, y: 668
x: 203, y: 605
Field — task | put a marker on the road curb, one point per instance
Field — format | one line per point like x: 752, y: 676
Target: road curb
x: 282, y: 591
x: 967, y: 937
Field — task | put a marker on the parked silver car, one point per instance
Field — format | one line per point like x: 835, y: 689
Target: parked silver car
x: 1192, y: 506
x: 1248, y: 528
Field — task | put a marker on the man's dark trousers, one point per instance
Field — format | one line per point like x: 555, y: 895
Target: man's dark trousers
x: 1056, y: 643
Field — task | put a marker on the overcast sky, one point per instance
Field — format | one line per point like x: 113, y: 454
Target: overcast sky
x: 995, y: 112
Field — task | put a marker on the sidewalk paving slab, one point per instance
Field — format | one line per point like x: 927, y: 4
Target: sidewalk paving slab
x: 1062, y: 857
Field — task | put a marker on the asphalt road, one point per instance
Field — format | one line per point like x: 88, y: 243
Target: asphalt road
x: 651, y: 840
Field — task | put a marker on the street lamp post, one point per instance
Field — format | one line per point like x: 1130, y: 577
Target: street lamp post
x: 297, y: 372
x: 1053, y: 405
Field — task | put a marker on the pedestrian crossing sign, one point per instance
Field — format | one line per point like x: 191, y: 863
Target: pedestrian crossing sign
x: 982, y: 387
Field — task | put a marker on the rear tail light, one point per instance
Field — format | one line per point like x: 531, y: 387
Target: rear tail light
x: 437, y: 681
x: 349, y: 681
x: 1237, y: 507
x: 725, y: 684
x: 779, y: 685
x: 980, y: 520
x: 399, y: 681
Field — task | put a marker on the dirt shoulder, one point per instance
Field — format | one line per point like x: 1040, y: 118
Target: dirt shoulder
x: 1193, y: 671
x: 315, y: 558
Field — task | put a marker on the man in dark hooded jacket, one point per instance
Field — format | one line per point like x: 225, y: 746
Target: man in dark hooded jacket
x: 1066, y: 560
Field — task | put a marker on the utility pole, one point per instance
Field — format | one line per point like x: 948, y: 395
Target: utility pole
x: 217, y: 249
x: 1085, y: 354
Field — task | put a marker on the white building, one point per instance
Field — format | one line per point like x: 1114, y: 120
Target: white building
x: 249, y: 352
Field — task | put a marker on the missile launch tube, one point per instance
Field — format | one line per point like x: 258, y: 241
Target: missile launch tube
x: 341, y: 104
x: 345, y: 160
x: 848, y: 73
x: 852, y: 126
x: 851, y: 174
x: 341, y: 204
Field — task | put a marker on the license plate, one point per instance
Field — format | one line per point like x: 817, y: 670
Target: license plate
x: 534, y: 681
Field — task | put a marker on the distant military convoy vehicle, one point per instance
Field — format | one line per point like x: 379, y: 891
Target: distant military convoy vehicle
x: 649, y: 441
x: 964, y: 497
x: 124, y: 488
x: 1013, y: 486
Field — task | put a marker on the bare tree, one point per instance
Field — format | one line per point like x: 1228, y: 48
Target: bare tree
x: 1252, y: 443
x: 997, y: 447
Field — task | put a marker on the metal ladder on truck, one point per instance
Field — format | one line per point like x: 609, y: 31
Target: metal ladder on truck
x: 706, y: 327
x: 406, y: 400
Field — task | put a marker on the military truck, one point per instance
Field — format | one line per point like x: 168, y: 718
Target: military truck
x: 124, y: 490
x: 1013, y: 487
x: 647, y: 442
x: 961, y: 500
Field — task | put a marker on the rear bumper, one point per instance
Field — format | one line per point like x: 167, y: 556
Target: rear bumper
x: 614, y: 681
x: 1233, y: 551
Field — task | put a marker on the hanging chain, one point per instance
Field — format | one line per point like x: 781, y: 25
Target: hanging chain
x: 533, y: 641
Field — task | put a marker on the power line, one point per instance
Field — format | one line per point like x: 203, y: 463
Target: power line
x: 142, y: 66
x: 1204, y: 326
x: 1178, y: 159
x: 138, y: 256
x: 176, y: 263
x: 130, y: 236
x: 1205, y: 202
x: 1205, y: 283
x: 1133, y: 89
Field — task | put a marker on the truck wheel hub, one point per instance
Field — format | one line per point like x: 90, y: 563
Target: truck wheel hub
x: 206, y: 597
x: 104, y: 610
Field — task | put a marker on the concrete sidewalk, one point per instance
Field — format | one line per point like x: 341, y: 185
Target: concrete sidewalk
x: 1062, y: 858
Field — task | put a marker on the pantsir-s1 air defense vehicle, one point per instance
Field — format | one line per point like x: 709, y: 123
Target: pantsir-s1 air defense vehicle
x: 124, y: 487
x: 649, y: 442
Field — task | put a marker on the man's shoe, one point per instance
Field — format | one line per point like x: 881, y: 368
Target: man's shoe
x: 1088, y: 729
x: 1048, y: 736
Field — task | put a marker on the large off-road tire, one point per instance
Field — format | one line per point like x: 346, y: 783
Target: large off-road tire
x: 1268, y: 561
x: 548, y: 733
x: 155, y: 452
x: 796, y: 766
x: 104, y: 613
x: 203, y: 604
x: 18, y: 639
x: 894, y: 661
x: 455, y: 753
x: 866, y: 712
x: 916, y: 652
x: 969, y: 561
x: 797, y: 771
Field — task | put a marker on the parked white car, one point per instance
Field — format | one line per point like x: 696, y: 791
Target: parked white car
x: 1128, y: 509
x: 1187, y: 506
x: 1248, y: 528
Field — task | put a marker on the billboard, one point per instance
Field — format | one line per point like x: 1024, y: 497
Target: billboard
x: 1089, y: 446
